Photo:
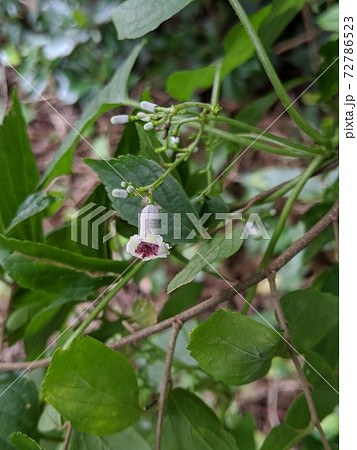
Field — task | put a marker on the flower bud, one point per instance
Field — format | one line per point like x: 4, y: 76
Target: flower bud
x: 121, y: 119
x: 148, y: 126
x: 174, y: 140
x: 148, y: 106
x: 130, y: 189
x: 123, y: 184
x: 119, y: 193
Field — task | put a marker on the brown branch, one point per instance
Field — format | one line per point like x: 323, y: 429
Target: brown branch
x: 4, y: 315
x: 227, y: 294
x: 337, y: 239
x: 294, y: 356
x: 67, y: 437
x: 210, y: 303
x: 296, y: 41
x: 176, y: 327
x: 24, y: 365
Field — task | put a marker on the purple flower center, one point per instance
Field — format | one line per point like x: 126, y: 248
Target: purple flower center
x: 145, y: 249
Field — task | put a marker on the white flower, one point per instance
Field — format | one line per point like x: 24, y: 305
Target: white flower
x: 130, y: 189
x: 174, y: 140
x: 121, y: 119
x: 147, y: 244
x: 148, y: 126
x: 148, y: 106
x: 119, y: 193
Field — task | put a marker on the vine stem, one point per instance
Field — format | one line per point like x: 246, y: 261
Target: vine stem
x: 263, y: 135
x: 105, y: 300
x: 210, y: 303
x: 266, y: 135
x: 272, y: 75
x: 178, y: 161
x: 303, y: 178
x: 175, y: 329
x: 246, y: 140
x: 304, y: 382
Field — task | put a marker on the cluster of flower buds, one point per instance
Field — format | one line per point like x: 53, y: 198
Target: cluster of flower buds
x: 143, y: 116
x: 123, y: 193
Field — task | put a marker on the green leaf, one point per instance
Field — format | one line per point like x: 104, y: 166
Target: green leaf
x: 19, y: 175
x: 33, y: 274
x: 325, y: 400
x: 143, y: 313
x: 234, y: 348
x: 314, y: 214
x: 19, y: 406
x: 93, y: 387
x: 43, y: 325
x: 271, y: 21
x: 208, y: 252
x: 23, y: 442
x: 244, y: 432
x: 32, y: 205
x: 182, y: 299
x: 129, y: 142
x: 112, y: 95
x: 328, y: 83
x: 59, y: 256
x: 194, y: 425
x: 281, y: 14
x: 238, y: 49
x: 89, y: 226
x: 127, y: 439
x: 50, y: 420
x: 310, y: 315
x: 328, y: 281
x: 148, y: 143
x: 255, y: 110
x: 141, y: 172
x: 282, y: 437
x: 328, y: 20
x: 135, y: 18
x: 25, y: 305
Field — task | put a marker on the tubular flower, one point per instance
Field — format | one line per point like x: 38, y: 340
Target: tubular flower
x: 147, y: 244
x: 119, y: 120
x: 148, y: 106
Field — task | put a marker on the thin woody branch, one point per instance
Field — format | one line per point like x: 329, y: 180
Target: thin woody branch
x: 176, y: 327
x: 304, y: 382
x: 210, y: 303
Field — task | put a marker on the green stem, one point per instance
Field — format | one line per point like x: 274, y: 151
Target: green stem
x: 264, y: 135
x: 185, y: 105
x: 178, y: 161
x: 253, y: 142
x: 105, y: 300
x: 210, y: 141
x: 216, y: 85
x: 303, y: 178
x: 272, y: 75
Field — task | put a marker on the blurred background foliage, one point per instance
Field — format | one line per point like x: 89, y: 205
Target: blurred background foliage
x: 70, y: 48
